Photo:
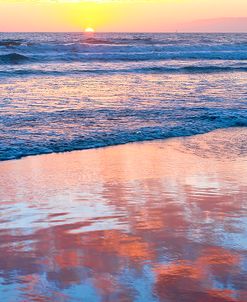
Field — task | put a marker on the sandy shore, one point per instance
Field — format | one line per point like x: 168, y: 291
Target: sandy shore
x: 153, y: 221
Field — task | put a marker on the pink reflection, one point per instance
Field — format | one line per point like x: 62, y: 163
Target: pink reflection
x: 101, y: 222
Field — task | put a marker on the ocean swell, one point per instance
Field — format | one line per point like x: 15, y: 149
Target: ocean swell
x: 13, y: 58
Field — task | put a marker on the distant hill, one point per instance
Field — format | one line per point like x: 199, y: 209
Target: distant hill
x: 215, y: 25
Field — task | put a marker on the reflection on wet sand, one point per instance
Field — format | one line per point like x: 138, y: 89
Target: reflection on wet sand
x: 157, y: 221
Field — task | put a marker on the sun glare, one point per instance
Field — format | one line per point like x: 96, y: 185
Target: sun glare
x: 89, y: 30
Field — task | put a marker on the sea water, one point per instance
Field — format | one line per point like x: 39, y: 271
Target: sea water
x: 68, y: 91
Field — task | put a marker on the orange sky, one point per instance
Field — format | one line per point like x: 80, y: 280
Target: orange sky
x: 128, y: 15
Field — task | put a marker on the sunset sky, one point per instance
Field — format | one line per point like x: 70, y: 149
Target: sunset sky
x: 126, y: 16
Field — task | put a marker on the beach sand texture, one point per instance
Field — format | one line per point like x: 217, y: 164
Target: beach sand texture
x: 153, y: 221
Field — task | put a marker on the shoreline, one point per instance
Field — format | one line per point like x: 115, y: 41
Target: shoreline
x: 127, y: 143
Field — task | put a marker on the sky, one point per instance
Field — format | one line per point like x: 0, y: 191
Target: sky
x: 124, y: 15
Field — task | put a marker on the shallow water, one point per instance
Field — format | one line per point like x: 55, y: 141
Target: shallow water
x: 158, y: 221
x: 63, y: 92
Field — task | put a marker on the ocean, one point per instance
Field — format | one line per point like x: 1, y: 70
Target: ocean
x: 72, y: 91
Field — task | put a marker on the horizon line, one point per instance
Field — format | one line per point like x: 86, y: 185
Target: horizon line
x: 134, y: 32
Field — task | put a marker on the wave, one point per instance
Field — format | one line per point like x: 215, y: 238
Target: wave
x: 123, y: 41
x: 208, y: 123
x: 144, y: 70
x: 193, y: 69
x: 10, y: 43
x: 13, y: 58
x: 132, y: 56
x: 74, y: 56
x: 95, y: 41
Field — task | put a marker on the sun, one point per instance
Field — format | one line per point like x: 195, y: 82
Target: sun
x: 89, y: 30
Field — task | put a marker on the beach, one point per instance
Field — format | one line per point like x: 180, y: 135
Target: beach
x: 163, y: 220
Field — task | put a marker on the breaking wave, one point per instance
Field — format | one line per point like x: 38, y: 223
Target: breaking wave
x: 103, y: 130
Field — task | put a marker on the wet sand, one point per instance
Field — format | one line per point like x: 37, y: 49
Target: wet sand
x: 154, y: 221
